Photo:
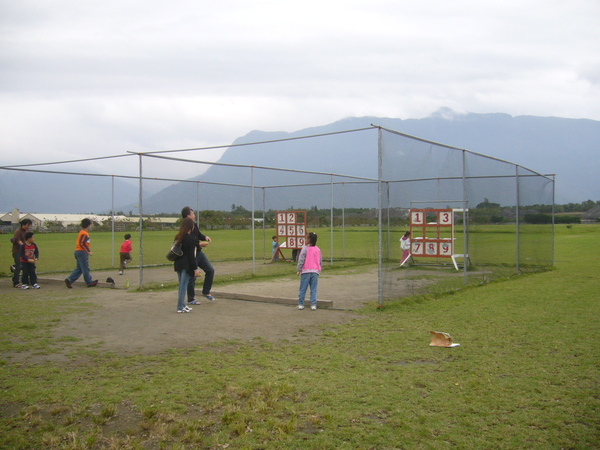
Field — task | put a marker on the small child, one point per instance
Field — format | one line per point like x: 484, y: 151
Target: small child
x: 125, y: 253
x: 309, y: 268
x: 29, y: 256
x: 83, y: 251
x: 405, y: 246
x: 275, y: 255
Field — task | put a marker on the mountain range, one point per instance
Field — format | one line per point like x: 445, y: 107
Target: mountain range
x: 569, y: 148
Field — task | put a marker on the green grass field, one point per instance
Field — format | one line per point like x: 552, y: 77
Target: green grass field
x: 525, y: 376
x: 491, y: 244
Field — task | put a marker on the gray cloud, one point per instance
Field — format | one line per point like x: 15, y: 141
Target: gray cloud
x: 89, y: 78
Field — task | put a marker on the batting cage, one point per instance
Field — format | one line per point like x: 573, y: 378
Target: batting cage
x: 418, y: 210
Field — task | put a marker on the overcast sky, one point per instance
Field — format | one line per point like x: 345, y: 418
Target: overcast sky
x: 96, y: 78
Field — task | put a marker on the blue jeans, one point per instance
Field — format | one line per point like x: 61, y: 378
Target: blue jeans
x: 209, y: 275
x: 308, y: 279
x: 17, y: 261
x: 184, y: 279
x: 83, y: 268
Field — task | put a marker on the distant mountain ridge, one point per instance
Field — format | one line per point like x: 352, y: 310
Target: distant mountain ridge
x: 569, y: 148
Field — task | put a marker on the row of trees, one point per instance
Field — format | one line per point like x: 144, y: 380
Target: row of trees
x: 485, y: 212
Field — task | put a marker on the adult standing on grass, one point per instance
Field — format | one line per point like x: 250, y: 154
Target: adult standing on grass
x: 202, y: 261
x: 309, y: 266
x: 82, y: 256
x: 186, y: 265
x: 17, y: 241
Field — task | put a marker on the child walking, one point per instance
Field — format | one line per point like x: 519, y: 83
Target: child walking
x: 405, y: 247
x: 82, y: 256
x: 308, y: 269
x: 29, y: 256
x: 125, y: 253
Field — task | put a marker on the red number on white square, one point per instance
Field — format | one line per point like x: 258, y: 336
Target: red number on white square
x: 446, y: 249
x: 281, y: 230
x: 301, y: 230
x: 280, y: 217
x: 445, y: 218
x: 291, y: 230
x: 416, y: 217
x: 301, y: 242
x: 432, y: 248
x: 291, y: 217
x: 291, y: 242
x: 417, y: 248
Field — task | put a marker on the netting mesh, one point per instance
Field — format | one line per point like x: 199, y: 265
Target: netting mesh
x: 492, y: 202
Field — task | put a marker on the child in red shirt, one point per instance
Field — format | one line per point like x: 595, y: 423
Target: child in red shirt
x: 29, y: 256
x: 125, y: 253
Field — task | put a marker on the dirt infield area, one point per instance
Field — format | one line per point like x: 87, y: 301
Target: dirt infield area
x: 131, y: 321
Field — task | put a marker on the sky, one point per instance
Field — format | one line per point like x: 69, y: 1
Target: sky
x: 81, y: 79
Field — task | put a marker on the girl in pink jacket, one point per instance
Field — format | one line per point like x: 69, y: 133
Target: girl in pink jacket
x: 309, y: 268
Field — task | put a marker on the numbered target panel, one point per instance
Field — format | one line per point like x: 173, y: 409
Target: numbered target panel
x: 291, y: 228
x: 432, y: 232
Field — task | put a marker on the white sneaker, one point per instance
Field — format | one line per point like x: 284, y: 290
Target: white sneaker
x: 300, y: 306
x: 24, y: 286
x: 313, y: 307
x: 36, y: 286
x: 187, y: 308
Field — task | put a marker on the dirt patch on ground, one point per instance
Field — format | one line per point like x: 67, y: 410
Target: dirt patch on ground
x: 129, y: 321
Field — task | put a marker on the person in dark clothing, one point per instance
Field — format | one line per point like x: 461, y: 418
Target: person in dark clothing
x: 29, y: 256
x: 18, y: 240
x: 185, y: 265
x: 201, y: 260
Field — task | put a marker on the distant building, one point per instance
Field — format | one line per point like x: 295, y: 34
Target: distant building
x: 57, y: 222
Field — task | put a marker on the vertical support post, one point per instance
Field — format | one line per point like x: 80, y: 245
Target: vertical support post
x: 553, y: 212
x: 264, y: 227
x: 389, y: 237
x: 517, y: 219
x: 379, y: 218
x: 253, y: 226
x: 112, y: 220
x: 343, y: 220
x: 140, y: 204
x: 198, y: 203
x: 331, y: 220
x: 465, y: 205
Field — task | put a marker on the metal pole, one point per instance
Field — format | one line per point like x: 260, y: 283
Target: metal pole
x: 112, y: 227
x: 253, y: 227
x: 553, y: 212
x: 465, y: 217
x: 344, y: 221
x: 198, y: 204
x: 264, y: 227
x: 389, y: 237
x: 140, y: 200
x: 331, y: 219
x: 379, y: 218
x: 517, y: 206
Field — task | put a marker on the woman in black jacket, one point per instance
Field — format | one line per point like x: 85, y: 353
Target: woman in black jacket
x: 185, y: 265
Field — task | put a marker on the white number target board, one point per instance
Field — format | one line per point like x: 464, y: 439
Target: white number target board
x: 432, y: 232
x: 291, y: 228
